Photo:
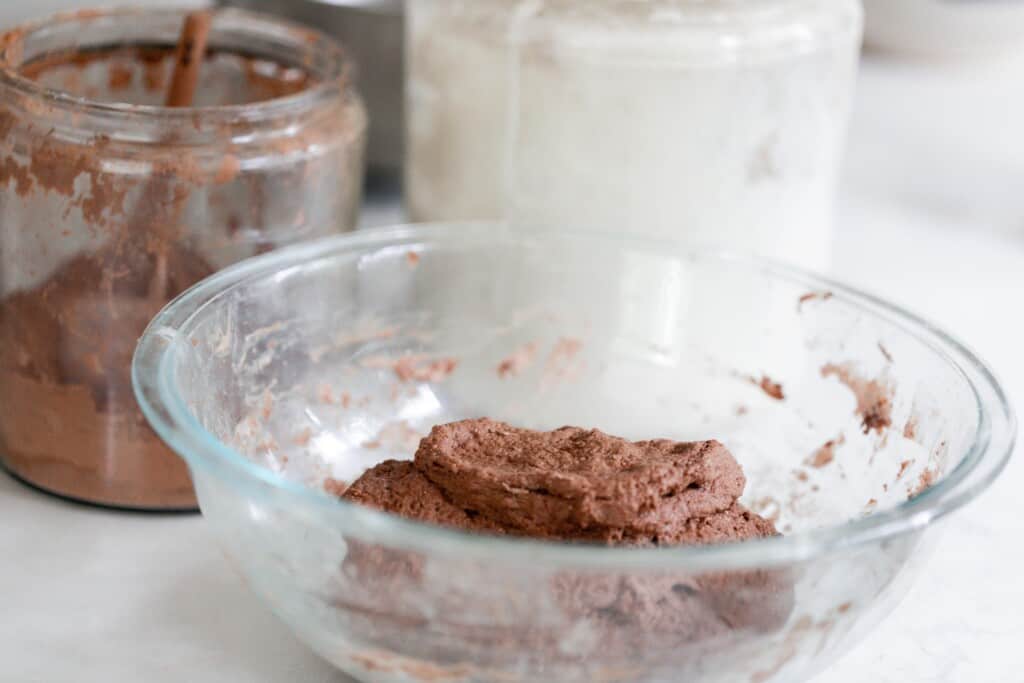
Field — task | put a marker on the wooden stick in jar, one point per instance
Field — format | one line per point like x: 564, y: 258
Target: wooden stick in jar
x: 188, y: 58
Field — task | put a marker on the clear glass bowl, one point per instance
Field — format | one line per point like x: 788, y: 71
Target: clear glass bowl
x: 858, y: 425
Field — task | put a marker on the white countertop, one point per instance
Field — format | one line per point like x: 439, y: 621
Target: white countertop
x: 932, y: 216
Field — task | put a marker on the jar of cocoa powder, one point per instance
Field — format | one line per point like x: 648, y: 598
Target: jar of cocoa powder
x: 112, y: 203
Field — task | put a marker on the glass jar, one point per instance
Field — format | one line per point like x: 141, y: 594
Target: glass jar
x: 111, y: 204
x: 713, y: 121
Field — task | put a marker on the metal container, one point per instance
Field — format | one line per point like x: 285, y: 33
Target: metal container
x: 371, y: 32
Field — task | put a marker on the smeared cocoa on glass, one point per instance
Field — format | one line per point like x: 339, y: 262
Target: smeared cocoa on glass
x: 874, y: 399
x: 70, y: 423
x: 101, y: 231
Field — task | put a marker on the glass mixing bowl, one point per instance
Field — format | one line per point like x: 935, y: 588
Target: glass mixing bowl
x: 858, y: 426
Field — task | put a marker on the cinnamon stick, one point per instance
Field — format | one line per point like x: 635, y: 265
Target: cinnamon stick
x: 188, y: 58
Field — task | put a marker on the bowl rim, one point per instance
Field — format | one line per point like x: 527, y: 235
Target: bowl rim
x: 171, y: 419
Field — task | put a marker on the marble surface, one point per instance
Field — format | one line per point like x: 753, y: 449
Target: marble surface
x: 932, y: 216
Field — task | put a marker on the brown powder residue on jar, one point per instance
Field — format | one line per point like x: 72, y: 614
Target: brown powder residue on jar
x: 110, y: 75
x: 70, y: 423
x: 119, y: 77
x: 105, y: 225
x: 874, y: 402
x: 271, y: 80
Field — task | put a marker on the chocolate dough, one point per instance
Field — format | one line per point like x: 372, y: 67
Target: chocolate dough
x: 573, y: 485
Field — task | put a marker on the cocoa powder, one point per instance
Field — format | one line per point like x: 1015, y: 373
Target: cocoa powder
x: 70, y: 423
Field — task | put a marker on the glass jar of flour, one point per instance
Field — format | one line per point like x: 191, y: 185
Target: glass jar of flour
x: 707, y: 121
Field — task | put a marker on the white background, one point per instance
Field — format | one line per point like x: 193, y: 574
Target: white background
x: 931, y: 216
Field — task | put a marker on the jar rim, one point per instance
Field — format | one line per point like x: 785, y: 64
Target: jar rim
x: 319, y: 53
